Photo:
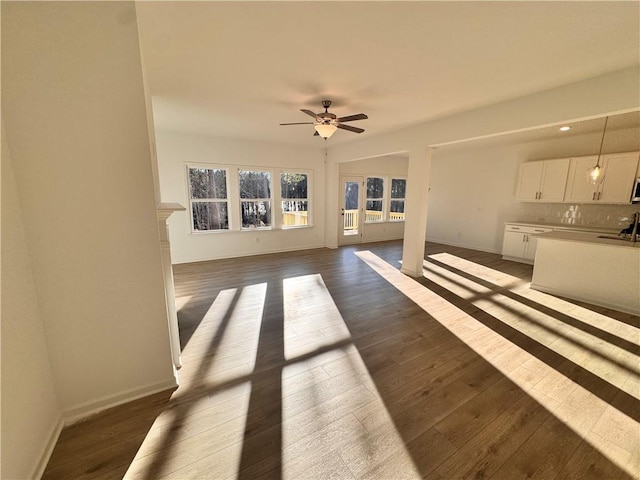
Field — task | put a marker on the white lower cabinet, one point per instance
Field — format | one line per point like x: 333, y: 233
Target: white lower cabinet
x: 520, y: 242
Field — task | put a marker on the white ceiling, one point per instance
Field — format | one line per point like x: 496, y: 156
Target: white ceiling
x: 238, y: 69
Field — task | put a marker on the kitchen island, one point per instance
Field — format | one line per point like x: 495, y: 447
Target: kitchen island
x: 595, y: 268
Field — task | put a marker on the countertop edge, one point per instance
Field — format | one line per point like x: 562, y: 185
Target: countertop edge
x: 562, y: 226
x: 587, y: 238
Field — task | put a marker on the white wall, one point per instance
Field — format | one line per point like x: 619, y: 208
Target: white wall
x: 388, y: 166
x: 31, y: 412
x: 74, y: 113
x: 473, y: 185
x: 176, y: 150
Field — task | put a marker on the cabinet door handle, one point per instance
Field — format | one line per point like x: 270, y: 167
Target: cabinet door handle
x: 539, y: 195
x: 593, y: 197
x: 599, y: 193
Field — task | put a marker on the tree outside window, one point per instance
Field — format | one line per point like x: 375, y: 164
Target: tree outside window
x: 398, y: 192
x: 208, y: 198
x: 255, y: 198
x: 375, y: 200
x: 294, y: 199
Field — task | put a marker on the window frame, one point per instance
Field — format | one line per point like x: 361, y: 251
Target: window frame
x: 234, y: 201
x: 391, y: 199
x: 255, y: 200
x: 382, y: 199
x: 207, y: 166
x: 308, y: 199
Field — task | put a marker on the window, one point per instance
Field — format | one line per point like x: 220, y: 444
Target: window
x: 375, y: 200
x: 255, y: 198
x: 295, y: 199
x: 398, y: 190
x: 208, y: 199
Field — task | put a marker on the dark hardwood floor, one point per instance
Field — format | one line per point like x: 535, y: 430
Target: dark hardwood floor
x: 331, y: 364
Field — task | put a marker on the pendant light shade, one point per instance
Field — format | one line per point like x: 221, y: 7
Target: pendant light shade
x: 325, y: 130
x: 596, y: 173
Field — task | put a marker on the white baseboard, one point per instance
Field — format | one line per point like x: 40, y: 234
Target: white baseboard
x: 83, y: 411
x: 50, y: 444
x: 252, y: 254
x: 463, y: 245
x: 76, y: 414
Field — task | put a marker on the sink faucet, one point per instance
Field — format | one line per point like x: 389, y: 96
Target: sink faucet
x: 634, y: 232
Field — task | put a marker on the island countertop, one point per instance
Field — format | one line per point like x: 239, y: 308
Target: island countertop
x: 593, y: 238
x: 589, y: 268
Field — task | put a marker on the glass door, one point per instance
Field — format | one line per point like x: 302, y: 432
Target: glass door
x: 351, y: 213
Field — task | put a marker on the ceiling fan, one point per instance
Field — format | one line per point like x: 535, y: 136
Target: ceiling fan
x: 327, y: 123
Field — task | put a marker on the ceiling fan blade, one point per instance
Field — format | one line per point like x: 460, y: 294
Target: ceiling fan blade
x: 350, y: 128
x: 309, y: 112
x: 316, y: 134
x: 351, y: 118
x: 298, y: 123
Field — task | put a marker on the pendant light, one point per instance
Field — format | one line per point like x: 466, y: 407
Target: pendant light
x: 595, y: 174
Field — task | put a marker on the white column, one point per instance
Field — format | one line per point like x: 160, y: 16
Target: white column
x: 416, y: 203
x: 164, y: 211
x: 332, y: 204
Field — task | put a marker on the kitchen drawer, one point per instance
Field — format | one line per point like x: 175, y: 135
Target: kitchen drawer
x: 527, y: 229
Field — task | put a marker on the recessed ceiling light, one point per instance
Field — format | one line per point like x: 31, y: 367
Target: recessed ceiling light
x: 566, y: 128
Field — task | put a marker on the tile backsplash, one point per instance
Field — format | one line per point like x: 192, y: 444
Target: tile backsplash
x: 585, y: 215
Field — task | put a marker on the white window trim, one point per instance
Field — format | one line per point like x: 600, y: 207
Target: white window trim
x: 233, y: 197
x: 309, y: 199
x: 207, y: 166
x: 382, y: 199
x: 270, y: 200
x: 404, y: 199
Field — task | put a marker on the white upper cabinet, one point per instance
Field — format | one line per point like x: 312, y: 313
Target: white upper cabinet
x: 543, y: 181
x: 619, y: 175
x: 620, y: 172
x: 579, y: 189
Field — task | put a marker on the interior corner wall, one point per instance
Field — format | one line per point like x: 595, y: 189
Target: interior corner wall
x: 473, y: 185
x: 387, y: 166
x: 74, y: 114
x: 176, y: 150
x: 31, y: 412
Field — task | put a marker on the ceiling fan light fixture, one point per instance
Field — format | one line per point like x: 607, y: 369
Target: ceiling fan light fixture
x: 325, y: 130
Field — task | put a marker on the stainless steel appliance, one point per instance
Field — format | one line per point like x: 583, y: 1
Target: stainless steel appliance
x: 635, y: 194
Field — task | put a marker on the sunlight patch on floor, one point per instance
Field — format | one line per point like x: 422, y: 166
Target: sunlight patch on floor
x: 326, y: 393
x: 230, y: 332
x: 322, y: 435
x: 181, y: 301
x: 609, y: 362
x: 608, y: 324
x: 215, y: 389
x: 184, y: 431
x: 609, y: 430
x: 311, y: 318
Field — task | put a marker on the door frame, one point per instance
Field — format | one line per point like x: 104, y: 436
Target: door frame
x: 352, y: 238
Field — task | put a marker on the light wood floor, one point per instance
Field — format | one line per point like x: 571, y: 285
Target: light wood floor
x: 331, y: 364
